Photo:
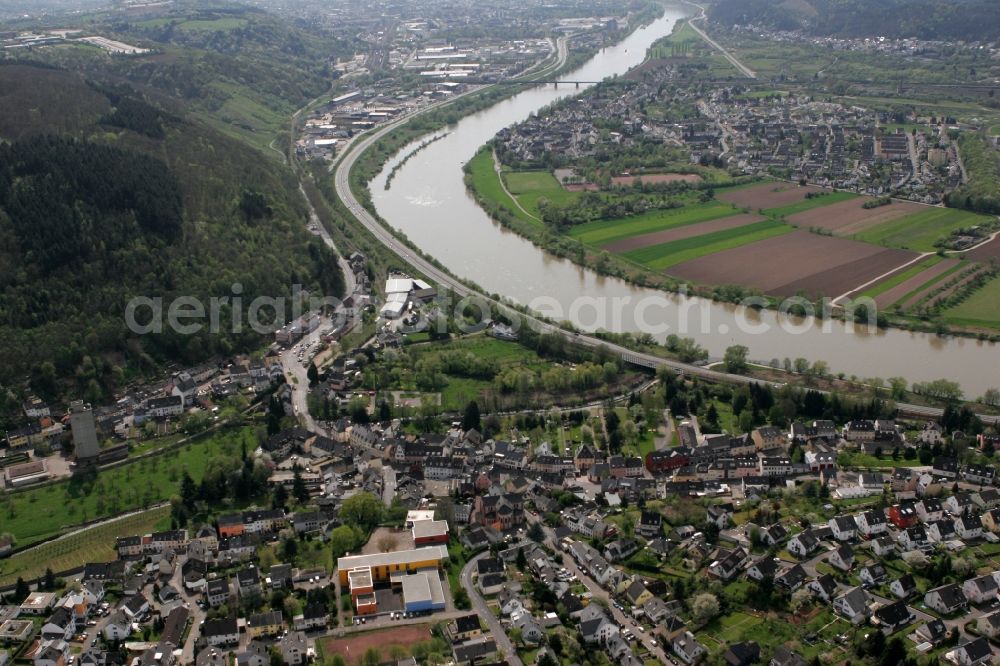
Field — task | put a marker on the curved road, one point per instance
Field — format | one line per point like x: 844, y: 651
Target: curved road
x: 387, y: 238
x: 479, y: 605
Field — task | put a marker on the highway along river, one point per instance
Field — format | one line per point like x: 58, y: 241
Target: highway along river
x: 428, y: 202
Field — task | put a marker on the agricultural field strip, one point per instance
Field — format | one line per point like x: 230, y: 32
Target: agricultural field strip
x: 809, y: 204
x: 920, y: 230
x: 604, y: 232
x: 916, y: 295
x: 662, y: 256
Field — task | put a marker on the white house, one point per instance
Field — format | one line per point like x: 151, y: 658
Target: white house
x: 842, y: 558
x: 844, y: 528
x: 929, y: 509
x: 852, y: 605
x: 903, y: 587
x: 802, y: 544
x: 980, y: 590
x: 969, y: 527
x: 873, y: 574
x: 946, y: 599
x: 871, y: 523
x: 688, y: 649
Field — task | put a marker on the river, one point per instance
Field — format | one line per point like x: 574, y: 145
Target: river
x: 428, y: 202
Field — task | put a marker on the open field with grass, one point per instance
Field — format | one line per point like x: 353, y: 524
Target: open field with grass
x: 603, y: 232
x: 486, y: 183
x: 659, y: 257
x: 94, y: 544
x: 921, y: 230
x: 530, y: 187
x: 981, y: 309
x: 39, y: 513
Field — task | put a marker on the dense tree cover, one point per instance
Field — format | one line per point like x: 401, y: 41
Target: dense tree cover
x: 982, y: 162
x: 91, y: 219
x: 924, y: 19
x: 70, y: 203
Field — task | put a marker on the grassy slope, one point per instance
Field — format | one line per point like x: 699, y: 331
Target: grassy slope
x: 95, y: 544
x: 40, y: 513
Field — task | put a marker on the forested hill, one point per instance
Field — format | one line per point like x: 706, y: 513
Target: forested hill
x: 105, y: 196
x: 240, y: 68
x: 969, y: 20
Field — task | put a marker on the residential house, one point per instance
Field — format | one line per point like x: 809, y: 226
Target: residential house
x: 294, y: 648
x: 844, y: 528
x: 842, y: 558
x: 59, y: 625
x: 969, y: 527
x: 852, y: 605
x: 688, y: 649
x: 883, y: 546
x: 260, y: 625
x: 980, y: 590
x: 903, y: 515
x: 989, y: 625
x: 136, y: 607
x: 871, y: 523
x: 987, y: 499
x: 117, y: 628
x: 974, y: 653
x: 933, y: 632
x: 824, y: 587
x: 764, y: 568
x: 313, y: 616
x: 774, y: 534
x: 946, y: 599
x: 991, y: 520
x: 52, y: 653
x: 960, y: 504
x: 791, y: 578
x: 728, y: 563
x: 650, y: 525
x: 802, y: 544
x: 873, y: 574
x: 220, y: 632
x: 720, y: 514
x: 913, y: 538
x: 903, y: 587
x: 982, y: 475
x: 217, y: 592
x: 941, y: 530
x: 743, y: 653
x: 598, y: 630
x: 929, y: 509
x: 785, y: 657
x: 894, y: 616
